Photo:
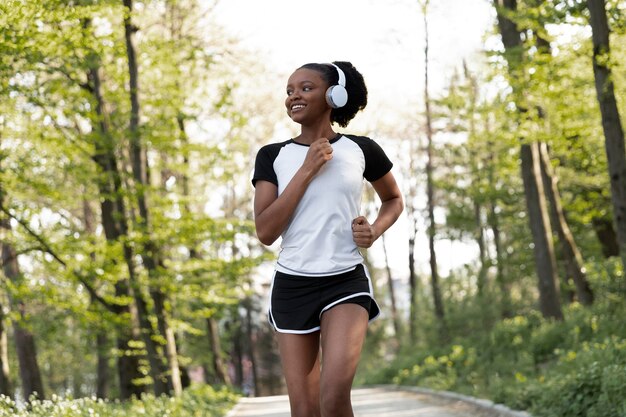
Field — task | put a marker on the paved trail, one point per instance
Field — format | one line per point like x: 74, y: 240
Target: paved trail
x: 372, y: 402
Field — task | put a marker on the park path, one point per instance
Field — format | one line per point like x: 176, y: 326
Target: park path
x: 380, y: 402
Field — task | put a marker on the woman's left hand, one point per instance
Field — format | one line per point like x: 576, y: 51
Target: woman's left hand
x: 363, y: 232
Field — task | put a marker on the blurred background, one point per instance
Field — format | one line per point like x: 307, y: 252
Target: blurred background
x: 128, y: 132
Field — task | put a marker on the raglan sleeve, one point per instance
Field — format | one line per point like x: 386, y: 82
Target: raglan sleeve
x: 377, y: 164
x: 264, y: 166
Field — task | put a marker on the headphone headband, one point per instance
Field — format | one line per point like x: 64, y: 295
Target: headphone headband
x: 342, y: 76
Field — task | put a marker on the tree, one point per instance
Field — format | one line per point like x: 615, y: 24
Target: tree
x: 430, y: 191
x: 149, y: 253
x: 545, y: 262
x: 395, y: 316
x: 70, y: 94
x: 5, y: 383
x: 30, y: 374
x: 573, y: 258
x: 611, y: 122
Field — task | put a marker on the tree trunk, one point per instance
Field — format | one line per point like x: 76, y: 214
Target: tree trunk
x: 606, y: 235
x: 549, y: 302
x: 5, y: 381
x: 102, y: 367
x: 501, y: 277
x: 216, y: 352
x: 480, y: 241
x: 412, y: 220
x: 113, y: 219
x: 545, y: 263
x: 160, y: 365
x: 235, y: 328
x: 102, y: 350
x: 251, y: 345
x: 395, y: 317
x: 611, y: 123
x: 569, y: 249
x: 434, y: 273
x: 30, y: 375
x: 412, y: 286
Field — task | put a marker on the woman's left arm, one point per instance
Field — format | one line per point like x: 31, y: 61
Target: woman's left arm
x: 363, y: 233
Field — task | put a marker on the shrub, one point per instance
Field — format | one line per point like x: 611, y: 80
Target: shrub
x: 196, y: 401
x: 570, y: 368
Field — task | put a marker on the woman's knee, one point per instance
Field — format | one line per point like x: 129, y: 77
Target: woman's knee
x: 305, y: 408
x: 335, y: 401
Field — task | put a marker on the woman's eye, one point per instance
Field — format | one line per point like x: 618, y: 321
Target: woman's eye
x: 306, y: 89
x: 289, y: 92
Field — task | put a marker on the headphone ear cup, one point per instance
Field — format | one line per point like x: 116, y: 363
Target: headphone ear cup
x: 336, y: 96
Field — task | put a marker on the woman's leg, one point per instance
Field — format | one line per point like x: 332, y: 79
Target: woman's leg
x: 299, y: 355
x: 343, y: 332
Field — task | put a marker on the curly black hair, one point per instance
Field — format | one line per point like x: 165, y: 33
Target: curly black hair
x: 355, y: 86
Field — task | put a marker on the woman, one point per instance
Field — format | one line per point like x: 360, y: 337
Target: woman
x: 308, y: 190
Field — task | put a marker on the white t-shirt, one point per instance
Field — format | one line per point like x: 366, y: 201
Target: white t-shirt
x: 318, y: 238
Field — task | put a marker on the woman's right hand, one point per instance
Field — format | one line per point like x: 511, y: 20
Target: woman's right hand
x: 320, y: 152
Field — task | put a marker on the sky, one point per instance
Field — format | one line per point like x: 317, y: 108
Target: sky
x: 384, y: 39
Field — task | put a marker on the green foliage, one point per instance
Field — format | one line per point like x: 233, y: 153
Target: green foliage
x: 572, y: 368
x: 197, y: 401
x: 64, y: 101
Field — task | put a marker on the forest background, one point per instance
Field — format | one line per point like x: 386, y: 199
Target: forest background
x: 128, y: 131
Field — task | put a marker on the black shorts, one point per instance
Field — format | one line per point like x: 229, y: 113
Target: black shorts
x: 298, y: 302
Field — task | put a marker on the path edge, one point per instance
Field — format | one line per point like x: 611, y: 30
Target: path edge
x: 233, y: 411
x: 500, y: 409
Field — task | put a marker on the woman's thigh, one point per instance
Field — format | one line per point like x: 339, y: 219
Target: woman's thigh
x: 342, y: 335
x: 300, y: 359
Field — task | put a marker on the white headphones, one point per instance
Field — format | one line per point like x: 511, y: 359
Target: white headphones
x: 336, y: 95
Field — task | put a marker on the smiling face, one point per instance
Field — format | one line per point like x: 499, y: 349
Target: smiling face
x: 306, y: 101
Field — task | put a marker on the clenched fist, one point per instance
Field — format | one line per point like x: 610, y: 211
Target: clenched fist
x: 319, y: 153
x: 363, y: 233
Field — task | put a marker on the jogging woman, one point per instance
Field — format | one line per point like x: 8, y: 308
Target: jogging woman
x: 308, y: 191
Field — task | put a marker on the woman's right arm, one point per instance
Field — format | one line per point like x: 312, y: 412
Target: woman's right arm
x: 271, y: 211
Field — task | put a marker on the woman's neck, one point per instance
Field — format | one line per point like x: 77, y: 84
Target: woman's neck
x: 308, y: 135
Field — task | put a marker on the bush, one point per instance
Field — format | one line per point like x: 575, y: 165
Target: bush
x: 588, y: 383
x: 197, y: 401
x: 570, y: 368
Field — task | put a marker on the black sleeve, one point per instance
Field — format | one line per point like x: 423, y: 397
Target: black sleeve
x: 377, y: 164
x: 264, y: 165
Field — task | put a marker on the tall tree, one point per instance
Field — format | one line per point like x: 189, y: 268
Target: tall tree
x: 573, y: 258
x: 30, y: 374
x: 114, y: 224
x: 543, y: 249
x: 430, y: 189
x: 411, y: 198
x: 102, y: 348
x: 5, y: 383
x: 611, y: 122
x: 162, y: 377
x: 549, y: 303
x: 569, y: 250
x: 395, y: 316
